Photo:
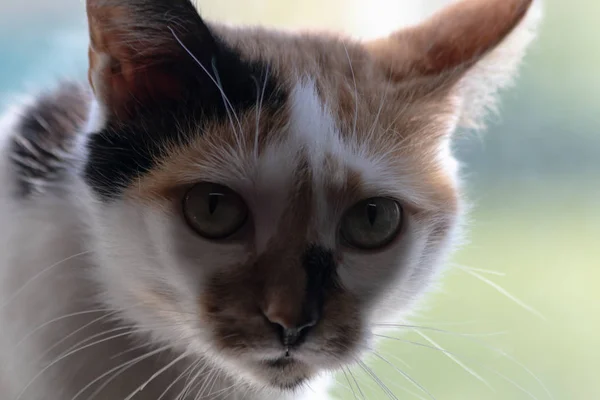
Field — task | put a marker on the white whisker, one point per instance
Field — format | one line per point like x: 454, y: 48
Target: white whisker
x: 227, y: 103
x: 62, y: 357
x: 443, y: 331
x: 230, y: 110
x: 378, y: 381
x: 58, y: 319
x: 502, y: 376
x: 259, y: 111
x: 503, y: 291
x: 484, y: 271
x: 118, y: 370
x: 456, y: 360
x: 181, y: 375
x: 362, y: 395
x: 405, y: 375
x: 156, y: 375
x: 38, y: 275
x: 355, y: 122
x: 495, y: 350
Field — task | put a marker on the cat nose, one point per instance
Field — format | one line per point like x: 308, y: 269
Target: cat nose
x: 291, y: 329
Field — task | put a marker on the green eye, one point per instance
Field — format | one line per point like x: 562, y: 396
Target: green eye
x: 214, y: 211
x: 372, y: 223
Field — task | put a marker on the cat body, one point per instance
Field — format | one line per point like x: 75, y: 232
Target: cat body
x: 229, y: 213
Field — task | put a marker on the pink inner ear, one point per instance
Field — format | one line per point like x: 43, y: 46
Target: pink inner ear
x: 465, y: 31
x: 456, y: 37
x: 127, y: 71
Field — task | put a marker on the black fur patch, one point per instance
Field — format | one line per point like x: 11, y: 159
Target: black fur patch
x: 124, y: 151
x: 41, y: 149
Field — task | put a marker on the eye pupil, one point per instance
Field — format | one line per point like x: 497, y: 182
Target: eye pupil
x: 372, y: 223
x: 372, y: 213
x: 214, y: 211
x: 213, y: 202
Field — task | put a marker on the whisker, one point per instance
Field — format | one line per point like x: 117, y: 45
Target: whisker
x: 383, y: 99
x: 193, y: 385
x: 349, y: 384
x: 62, y: 357
x: 355, y: 92
x: 362, y: 395
x: 47, y: 323
x: 226, y: 101
x: 62, y: 340
x: 129, y: 329
x: 205, y: 384
x: 502, y: 376
x: 484, y: 271
x: 407, y: 365
x: 438, y: 330
x: 503, y: 291
x: 157, y: 374
x: 118, y: 370
x: 130, y: 350
x: 191, y: 380
x: 456, y: 360
x: 376, y: 379
x: 451, y: 323
x: 259, y: 110
x: 405, y: 375
x: 223, y: 392
x: 38, y: 275
x: 213, y: 382
x: 228, y: 105
x: 505, y: 355
x: 191, y: 367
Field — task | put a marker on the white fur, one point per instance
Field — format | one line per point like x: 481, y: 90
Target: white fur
x: 48, y: 274
x: 67, y: 260
x: 133, y: 247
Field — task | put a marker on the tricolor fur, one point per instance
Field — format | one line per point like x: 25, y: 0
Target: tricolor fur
x: 106, y: 292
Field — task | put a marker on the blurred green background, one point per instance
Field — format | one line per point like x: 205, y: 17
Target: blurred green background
x: 534, y: 177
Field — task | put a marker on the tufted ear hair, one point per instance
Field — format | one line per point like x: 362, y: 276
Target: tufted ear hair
x: 473, y: 46
x: 138, y: 52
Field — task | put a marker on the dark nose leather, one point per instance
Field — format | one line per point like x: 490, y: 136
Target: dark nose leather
x: 291, y: 330
x: 293, y: 295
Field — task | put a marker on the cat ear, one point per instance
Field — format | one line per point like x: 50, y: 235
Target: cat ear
x: 473, y: 46
x: 140, y: 51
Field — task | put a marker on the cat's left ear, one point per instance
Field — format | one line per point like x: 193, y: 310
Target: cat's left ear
x: 140, y: 52
x: 471, y: 48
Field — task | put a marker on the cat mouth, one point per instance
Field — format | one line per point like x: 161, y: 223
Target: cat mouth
x: 281, y: 362
x: 286, y: 373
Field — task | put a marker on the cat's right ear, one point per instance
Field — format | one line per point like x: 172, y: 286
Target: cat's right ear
x: 471, y: 46
x: 141, y: 52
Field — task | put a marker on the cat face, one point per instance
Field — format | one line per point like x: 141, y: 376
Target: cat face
x: 262, y: 200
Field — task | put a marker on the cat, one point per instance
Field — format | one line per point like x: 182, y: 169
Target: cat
x: 227, y: 213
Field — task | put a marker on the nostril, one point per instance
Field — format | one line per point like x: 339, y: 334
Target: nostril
x: 290, y: 334
x: 293, y: 336
x: 307, y: 326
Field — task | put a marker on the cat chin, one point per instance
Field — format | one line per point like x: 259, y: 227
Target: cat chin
x: 273, y: 371
x: 284, y: 374
x: 280, y: 375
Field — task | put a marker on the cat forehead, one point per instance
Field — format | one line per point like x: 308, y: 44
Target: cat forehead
x: 189, y: 101
x: 274, y: 152
x: 316, y: 109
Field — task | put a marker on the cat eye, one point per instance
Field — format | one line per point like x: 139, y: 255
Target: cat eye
x: 214, y: 211
x: 372, y: 223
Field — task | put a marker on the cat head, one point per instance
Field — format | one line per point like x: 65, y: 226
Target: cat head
x: 263, y: 199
